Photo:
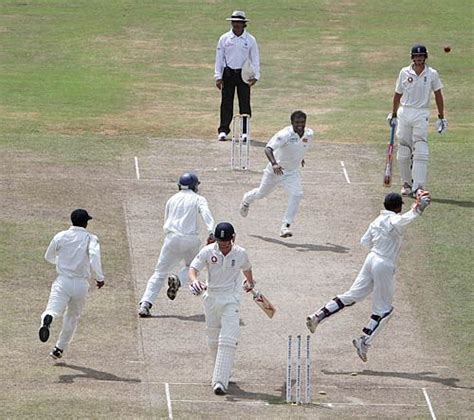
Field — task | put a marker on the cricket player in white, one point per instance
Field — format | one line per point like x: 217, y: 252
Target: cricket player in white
x: 285, y: 152
x: 76, y: 253
x: 181, y: 242
x: 384, y: 238
x: 410, y: 113
x: 221, y: 295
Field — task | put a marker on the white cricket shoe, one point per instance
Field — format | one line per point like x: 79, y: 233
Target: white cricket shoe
x: 312, y: 322
x: 361, y: 347
x: 219, y: 389
x: 406, y: 190
x: 144, y: 311
x: 244, y: 208
x: 222, y: 136
x: 56, y: 353
x: 285, y: 231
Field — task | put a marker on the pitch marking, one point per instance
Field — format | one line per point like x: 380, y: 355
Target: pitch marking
x: 168, y: 400
x: 137, y: 170
x: 428, y: 401
x: 345, y: 172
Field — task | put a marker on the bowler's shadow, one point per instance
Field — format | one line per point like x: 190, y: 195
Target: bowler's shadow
x: 88, y: 373
x: 459, y: 203
x: 306, y: 247
x: 413, y: 376
x: 192, y: 318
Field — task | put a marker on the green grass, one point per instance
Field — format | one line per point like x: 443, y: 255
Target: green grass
x: 84, y: 83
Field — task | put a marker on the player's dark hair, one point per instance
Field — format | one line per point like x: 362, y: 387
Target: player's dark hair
x: 297, y: 114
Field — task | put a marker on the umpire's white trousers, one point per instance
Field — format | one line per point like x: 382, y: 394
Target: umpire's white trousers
x: 291, y: 182
x: 377, y: 275
x: 175, y: 249
x: 67, y: 294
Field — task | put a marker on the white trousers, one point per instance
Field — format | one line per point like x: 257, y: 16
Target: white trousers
x: 176, y: 248
x: 377, y: 275
x: 291, y: 182
x: 67, y: 294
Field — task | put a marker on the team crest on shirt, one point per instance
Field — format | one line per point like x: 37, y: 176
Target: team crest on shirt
x: 305, y: 140
x: 213, y: 259
x: 232, y: 263
x: 410, y: 79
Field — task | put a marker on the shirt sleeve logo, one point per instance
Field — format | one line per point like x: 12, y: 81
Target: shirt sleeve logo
x: 213, y: 259
x: 410, y: 79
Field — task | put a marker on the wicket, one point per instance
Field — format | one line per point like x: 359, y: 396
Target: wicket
x: 289, y: 369
x: 240, y: 151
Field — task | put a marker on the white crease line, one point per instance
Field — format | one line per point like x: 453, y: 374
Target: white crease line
x: 168, y: 400
x: 428, y: 401
x: 345, y: 172
x: 137, y: 170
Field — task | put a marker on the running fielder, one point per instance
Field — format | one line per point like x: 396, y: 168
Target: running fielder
x: 181, y: 242
x: 76, y: 253
x: 285, y: 152
x: 410, y: 114
x: 221, y: 295
x: 384, y: 238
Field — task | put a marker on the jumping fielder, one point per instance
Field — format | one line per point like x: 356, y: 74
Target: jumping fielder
x: 384, y: 237
x: 76, y: 253
x: 410, y: 114
x: 285, y: 152
x: 221, y: 295
x: 181, y: 240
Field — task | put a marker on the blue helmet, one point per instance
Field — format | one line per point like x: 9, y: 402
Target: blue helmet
x: 419, y: 49
x: 224, y: 232
x: 188, y: 181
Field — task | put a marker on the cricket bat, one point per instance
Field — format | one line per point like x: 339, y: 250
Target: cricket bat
x: 263, y: 303
x: 387, y: 177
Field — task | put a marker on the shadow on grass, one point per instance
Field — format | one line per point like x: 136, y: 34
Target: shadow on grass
x: 88, y: 373
x: 306, y: 247
x: 413, y: 376
x: 459, y: 203
x: 193, y: 318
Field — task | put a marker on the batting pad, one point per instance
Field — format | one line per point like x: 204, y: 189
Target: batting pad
x: 224, y: 363
x: 420, y: 164
x: 404, y: 163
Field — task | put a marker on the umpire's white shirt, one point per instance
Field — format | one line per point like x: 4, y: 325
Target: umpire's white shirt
x: 232, y: 51
x: 75, y: 251
x: 385, y: 233
x: 289, y: 148
x: 223, y: 272
x: 181, y: 213
x: 416, y: 90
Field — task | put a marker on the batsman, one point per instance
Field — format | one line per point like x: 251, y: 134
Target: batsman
x: 224, y: 261
x: 384, y: 237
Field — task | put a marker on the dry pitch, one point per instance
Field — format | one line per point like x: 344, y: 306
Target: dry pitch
x: 404, y: 376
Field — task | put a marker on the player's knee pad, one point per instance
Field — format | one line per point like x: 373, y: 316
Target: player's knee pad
x: 213, y: 336
x: 226, y: 341
x: 404, y: 153
x: 421, y: 151
x: 376, y: 323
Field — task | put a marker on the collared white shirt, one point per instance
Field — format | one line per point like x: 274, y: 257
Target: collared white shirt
x: 384, y: 235
x: 75, y: 252
x: 223, y: 272
x: 416, y: 90
x: 182, y: 211
x: 232, y: 51
x: 289, y: 148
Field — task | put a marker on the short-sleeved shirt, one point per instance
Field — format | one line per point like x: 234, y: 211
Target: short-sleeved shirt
x: 289, y: 148
x: 224, y: 273
x: 416, y: 90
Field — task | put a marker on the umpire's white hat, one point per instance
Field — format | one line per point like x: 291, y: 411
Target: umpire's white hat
x: 238, y: 16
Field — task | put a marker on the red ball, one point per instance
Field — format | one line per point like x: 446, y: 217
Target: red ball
x: 447, y: 49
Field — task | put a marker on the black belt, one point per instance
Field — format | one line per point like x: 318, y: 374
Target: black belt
x: 229, y: 70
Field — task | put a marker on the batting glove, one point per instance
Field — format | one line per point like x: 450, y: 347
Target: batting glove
x: 422, y: 200
x: 392, y: 120
x: 441, y: 125
x: 248, y: 286
x: 197, y: 288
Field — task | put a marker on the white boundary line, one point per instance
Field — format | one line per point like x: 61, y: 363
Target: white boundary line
x: 168, y: 400
x: 345, y: 172
x: 428, y: 401
x: 137, y: 170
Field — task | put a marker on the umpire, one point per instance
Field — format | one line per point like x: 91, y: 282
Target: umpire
x: 234, y: 49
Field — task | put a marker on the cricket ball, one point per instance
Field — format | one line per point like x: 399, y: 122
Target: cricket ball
x: 447, y: 49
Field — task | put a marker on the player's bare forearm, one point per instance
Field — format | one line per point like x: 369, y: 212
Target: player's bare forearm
x: 439, y: 103
x: 193, y: 273
x: 396, y: 103
x: 277, y: 169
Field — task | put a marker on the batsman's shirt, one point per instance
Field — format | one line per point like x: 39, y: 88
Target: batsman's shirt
x: 416, y: 90
x: 223, y: 272
x: 181, y: 213
x: 75, y: 252
x: 384, y: 235
x: 289, y: 148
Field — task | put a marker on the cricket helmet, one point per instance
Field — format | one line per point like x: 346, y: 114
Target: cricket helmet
x: 224, y: 232
x: 419, y: 49
x: 188, y: 181
x: 393, y: 201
